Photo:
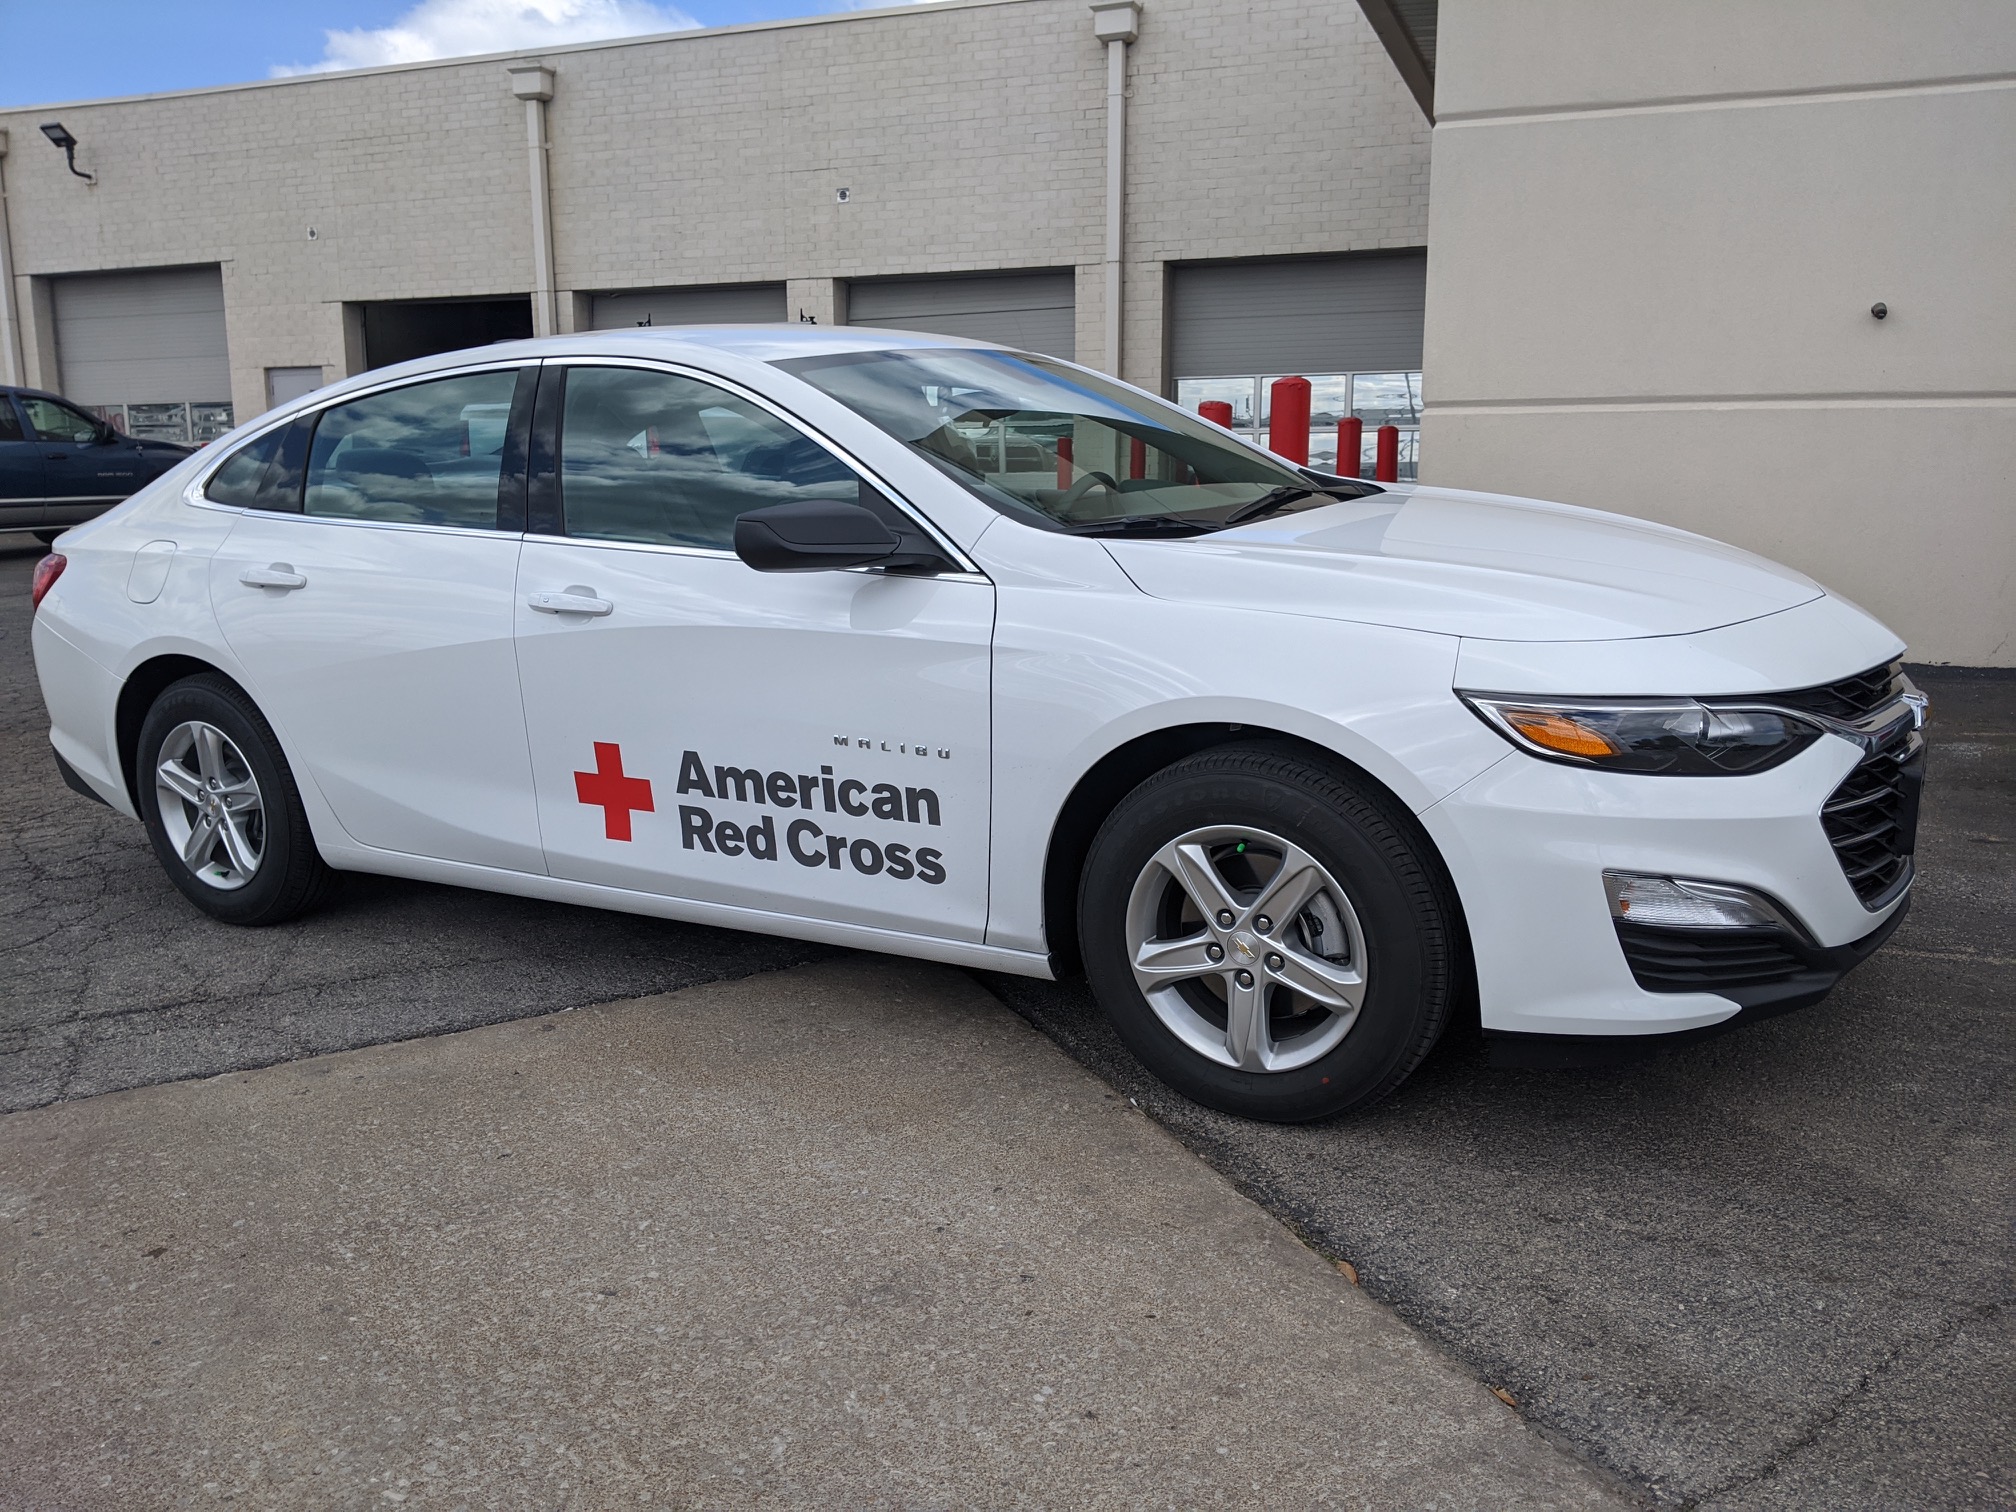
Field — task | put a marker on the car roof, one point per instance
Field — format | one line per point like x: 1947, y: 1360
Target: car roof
x: 751, y: 343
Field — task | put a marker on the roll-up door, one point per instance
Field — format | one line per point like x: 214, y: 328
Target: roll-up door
x: 1036, y: 311
x: 1360, y: 313
x: 733, y: 304
x: 147, y: 350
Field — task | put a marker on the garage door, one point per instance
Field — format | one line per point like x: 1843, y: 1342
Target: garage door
x: 1328, y: 315
x: 1037, y: 311
x: 147, y: 350
x: 734, y: 304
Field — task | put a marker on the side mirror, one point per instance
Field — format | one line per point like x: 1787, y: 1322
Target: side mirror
x: 819, y: 535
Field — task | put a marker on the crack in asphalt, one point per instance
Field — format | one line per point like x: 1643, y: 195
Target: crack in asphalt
x: 1810, y: 1436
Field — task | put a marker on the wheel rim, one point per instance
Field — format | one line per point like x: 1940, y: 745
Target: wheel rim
x: 210, y: 805
x: 1247, y: 949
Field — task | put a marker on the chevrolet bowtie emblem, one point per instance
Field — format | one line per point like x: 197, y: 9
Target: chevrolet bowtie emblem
x: 1246, y: 952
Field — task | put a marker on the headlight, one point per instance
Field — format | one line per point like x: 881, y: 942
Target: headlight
x: 1676, y: 737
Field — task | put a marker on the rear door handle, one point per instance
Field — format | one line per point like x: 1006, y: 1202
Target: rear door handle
x: 279, y: 575
x: 574, y: 601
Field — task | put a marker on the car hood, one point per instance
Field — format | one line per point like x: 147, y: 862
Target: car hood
x: 1470, y: 564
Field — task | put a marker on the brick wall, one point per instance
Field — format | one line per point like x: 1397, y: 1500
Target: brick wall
x: 971, y: 137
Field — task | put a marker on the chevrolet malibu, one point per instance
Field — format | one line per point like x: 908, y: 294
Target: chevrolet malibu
x: 932, y: 647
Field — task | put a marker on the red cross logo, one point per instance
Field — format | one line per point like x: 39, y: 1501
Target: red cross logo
x: 615, y: 794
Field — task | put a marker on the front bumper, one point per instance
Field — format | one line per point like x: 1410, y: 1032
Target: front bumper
x: 1765, y: 972
x: 1527, y: 843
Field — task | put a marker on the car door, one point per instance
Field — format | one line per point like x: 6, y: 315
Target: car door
x: 85, y: 470
x: 20, y: 470
x: 807, y: 744
x: 370, y: 604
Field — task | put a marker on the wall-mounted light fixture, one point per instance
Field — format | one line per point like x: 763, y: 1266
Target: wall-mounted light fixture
x: 58, y: 133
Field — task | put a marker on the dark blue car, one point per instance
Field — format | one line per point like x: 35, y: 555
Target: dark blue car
x: 60, y: 466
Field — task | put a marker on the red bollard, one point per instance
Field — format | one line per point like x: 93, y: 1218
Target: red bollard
x: 1217, y: 411
x: 1137, y: 458
x: 1288, y: 424
x: 1351, y: 447
x: 1063, y: 461
x: 1387, y: 468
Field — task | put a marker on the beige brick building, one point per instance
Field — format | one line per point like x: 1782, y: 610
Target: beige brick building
x: 762, y: 171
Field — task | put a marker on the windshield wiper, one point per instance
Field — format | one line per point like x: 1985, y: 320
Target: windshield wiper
x: 1140, y: 524
x: 1267, y: 503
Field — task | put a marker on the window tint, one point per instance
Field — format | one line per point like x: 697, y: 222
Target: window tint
x: 58, y: 422
x: 671, y: 461
x: 429, y: 454
x: 1063, y: 448
x: 237, y: 481
x: 10, y: 425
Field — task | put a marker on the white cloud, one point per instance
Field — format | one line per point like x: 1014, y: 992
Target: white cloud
x: 458, y: 28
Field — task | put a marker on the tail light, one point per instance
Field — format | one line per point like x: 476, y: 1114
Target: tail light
x: 47, y: 571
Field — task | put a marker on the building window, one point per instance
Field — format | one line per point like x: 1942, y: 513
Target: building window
x: 188, y: 424
x: 1375, y: 398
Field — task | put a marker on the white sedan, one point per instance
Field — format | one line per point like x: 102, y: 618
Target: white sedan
x: 931, y: 647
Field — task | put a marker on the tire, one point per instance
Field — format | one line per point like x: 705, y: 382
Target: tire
x: 254, y: 814
x: 47, y: 537
x: 1300, y: 1040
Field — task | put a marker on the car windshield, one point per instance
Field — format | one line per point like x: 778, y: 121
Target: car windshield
x: 1062, y: 448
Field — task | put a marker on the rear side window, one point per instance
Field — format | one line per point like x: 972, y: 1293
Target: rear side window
x: 661, y: 459
x: 428, y: 454
x: 10, y: 423
x: 237, y: 481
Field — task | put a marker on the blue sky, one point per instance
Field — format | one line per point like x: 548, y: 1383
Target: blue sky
x: 52, y: 52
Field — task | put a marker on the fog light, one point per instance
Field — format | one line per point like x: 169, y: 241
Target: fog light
x: 1680, y: 903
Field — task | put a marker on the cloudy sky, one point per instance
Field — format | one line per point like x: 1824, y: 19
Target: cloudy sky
x: 92, y: 48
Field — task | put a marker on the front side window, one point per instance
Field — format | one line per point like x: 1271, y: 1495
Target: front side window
x: 52, y: 421
x: 427, y: 454
x: 665, y: 460
x: 1062, y: 448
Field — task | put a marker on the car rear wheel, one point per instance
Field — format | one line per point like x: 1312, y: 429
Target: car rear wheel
x: 1265, y: 937
x: 221, y: 807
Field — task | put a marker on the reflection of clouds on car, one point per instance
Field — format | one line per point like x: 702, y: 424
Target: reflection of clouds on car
x: 665, y: 459
x: 425, y: 455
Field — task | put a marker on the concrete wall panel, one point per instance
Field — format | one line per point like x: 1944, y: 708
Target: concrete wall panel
x: 1902, y: 508
x: 1655, y: 236
x: 1546, y: 55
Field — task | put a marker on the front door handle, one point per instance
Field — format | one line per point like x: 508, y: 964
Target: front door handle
x: 573, y: 601
x: 279, y: 575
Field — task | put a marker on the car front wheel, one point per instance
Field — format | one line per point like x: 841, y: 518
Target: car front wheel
x: 221, y: 807
x: 1266, y: 938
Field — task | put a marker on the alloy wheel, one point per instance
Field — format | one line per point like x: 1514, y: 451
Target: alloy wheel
x: 210, y: 805
x: 1246, y: 948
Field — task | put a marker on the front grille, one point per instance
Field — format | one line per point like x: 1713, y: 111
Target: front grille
x: 1848, y: 699
x: 1706, y: 960
x: 1871, y: 819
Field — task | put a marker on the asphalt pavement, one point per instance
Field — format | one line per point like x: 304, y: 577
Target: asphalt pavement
x: 114, y: 981
x: 1771, y: 1270
x: 1768, y: 1270
x: 719, y: 1248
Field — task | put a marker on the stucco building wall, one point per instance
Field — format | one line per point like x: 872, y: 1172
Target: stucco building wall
x: 1656, y: 236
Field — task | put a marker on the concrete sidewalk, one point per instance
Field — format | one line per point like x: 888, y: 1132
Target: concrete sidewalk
x: 845, y: 1236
